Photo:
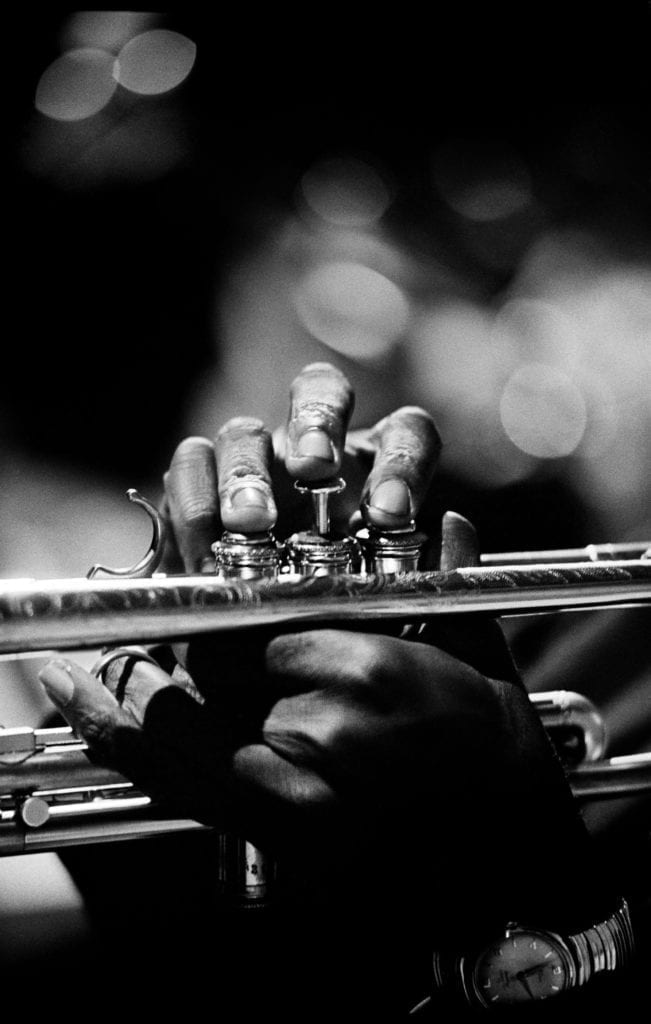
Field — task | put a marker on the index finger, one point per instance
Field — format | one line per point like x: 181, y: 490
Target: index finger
x: 321, y: 404
x: 192, y: 496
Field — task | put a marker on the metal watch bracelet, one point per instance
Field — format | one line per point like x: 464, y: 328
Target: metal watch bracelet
x: 604, y: 946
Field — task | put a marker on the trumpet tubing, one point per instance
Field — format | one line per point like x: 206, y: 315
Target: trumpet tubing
x: 48, y: 820
x: 52, y: 796
x: 37, y: 615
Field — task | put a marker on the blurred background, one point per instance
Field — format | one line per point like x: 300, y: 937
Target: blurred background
x: 191, y: 218
x: 197, y: 208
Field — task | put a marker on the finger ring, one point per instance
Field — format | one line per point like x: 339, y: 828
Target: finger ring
x: 137, y: 653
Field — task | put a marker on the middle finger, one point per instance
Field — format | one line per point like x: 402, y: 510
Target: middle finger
x: 321, y: 404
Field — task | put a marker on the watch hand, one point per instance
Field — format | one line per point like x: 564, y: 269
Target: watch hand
x: 522, y: 978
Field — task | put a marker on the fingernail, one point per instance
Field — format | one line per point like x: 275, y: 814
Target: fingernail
x: 57, y: 680
x: 247, y: 497
x: 315, y: 444
x: 248, y: 509
x: 392, y: 496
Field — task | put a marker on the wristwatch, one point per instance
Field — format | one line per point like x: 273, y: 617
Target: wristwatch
x: 528, y: 963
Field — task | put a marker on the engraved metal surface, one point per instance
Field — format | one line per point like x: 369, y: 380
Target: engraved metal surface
x: 75, y: 613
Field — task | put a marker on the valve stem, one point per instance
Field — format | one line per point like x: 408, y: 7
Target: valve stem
x: 320, y: 495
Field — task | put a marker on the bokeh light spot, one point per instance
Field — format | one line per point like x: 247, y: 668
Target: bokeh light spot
x: 352, y: 309
x: 155, y: 62
x: 541, y: 331
x: 482, y: 182
x: 542, y: 411
x: 345, y: 192
x: 108, y: 30
x: 465, y: 364
x: 76, y: 85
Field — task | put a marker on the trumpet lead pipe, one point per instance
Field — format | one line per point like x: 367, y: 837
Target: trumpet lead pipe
x: 71, y: 614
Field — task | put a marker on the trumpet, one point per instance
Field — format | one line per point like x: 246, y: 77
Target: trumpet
x: 52, y: 796
x: 78, y: 614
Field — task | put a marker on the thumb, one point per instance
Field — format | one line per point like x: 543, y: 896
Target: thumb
x: 459, y: 543
x: 113, y: 734
x: 481, y: 643
x: 85, y: 703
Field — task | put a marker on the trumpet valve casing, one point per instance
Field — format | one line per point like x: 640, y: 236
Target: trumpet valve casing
x: 247, y: 556
x: 387, y: 552
x: 246, y: 875
x: 311, y: 554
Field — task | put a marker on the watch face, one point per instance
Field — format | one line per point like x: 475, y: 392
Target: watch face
x: 521, y: 967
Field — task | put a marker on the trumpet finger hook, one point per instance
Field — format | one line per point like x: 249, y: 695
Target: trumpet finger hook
x: 150, y: 561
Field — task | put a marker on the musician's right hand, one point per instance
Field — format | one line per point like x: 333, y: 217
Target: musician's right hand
x: 244, y: 481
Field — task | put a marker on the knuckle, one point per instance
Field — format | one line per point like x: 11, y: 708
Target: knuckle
x: 332, y: 660
x: 400, y: 454
x: 307, y: 727
x: 321, y: 387
x: 366, y: 663
x: 407, y: 411
x: 305, y: 793
x: 317, y: 413
x: 414, y: 422
x: 191, y: 449
x: 190, y: 478
x: 197, y: 510
x: 409, y: 442
x: 98, y: 729
x: 245, y: 471
x: 244, y: 450
x: 284, y: 652
x: 321, y: 369
x: 238, y: 425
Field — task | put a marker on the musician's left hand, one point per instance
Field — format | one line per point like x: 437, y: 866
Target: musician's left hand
x: 373, y: 729
x: 325, y: 747
x: 322, y: 744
